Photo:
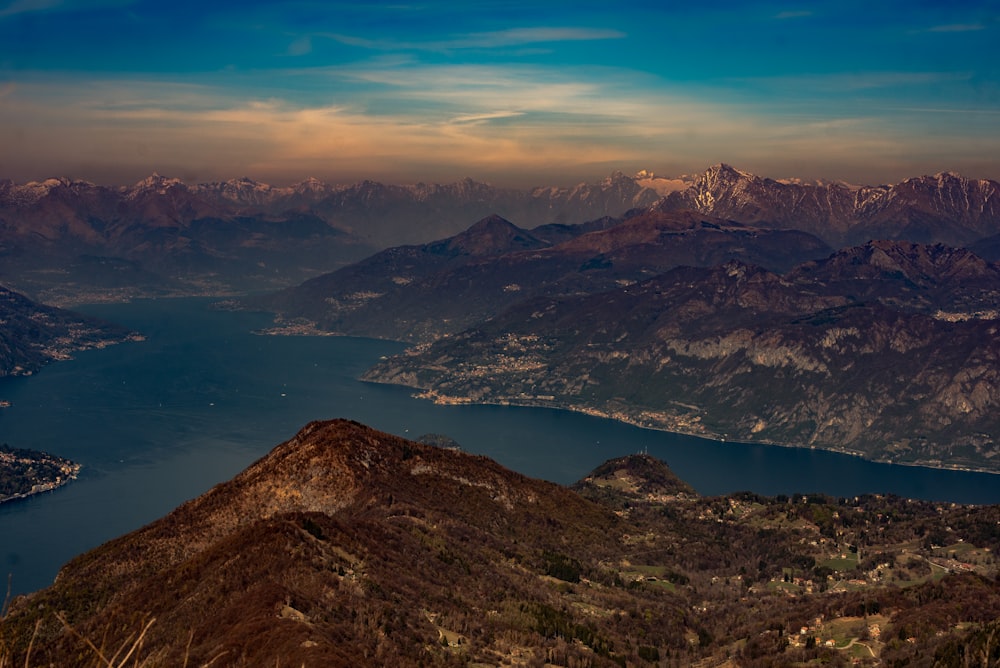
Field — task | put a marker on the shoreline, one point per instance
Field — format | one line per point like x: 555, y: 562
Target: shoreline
x: 43, y: 488
x: 445, y: 400
x: 304, y: 327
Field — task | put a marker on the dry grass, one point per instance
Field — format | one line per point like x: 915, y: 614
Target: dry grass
x: 128, y: 654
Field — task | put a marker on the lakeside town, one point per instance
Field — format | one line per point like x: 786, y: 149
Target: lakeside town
x: 24, y: 473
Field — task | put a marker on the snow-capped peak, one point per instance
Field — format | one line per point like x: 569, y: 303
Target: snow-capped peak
x: 157, y: 182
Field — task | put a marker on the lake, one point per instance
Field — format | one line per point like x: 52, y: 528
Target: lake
x: 158, y: 422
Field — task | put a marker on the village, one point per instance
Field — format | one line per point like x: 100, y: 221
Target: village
x: 24, y: 473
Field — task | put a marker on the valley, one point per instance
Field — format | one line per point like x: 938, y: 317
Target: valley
x: 730, y: 308
x: 673, y: 318
x: 527, y: 335
x: 347, y: 545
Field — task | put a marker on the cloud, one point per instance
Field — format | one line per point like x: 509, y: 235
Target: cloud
x: 520, y: 36
x: 422, y: 122
x: 840, y: 82
x: 483, y: 40
x: 793, y: 14
x: 28, y: 6
x: 301, y: 46
x: 549, y: 123
x: 957, y: 27
x: 487, y: 116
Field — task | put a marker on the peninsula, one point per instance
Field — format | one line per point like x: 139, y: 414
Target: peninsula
x: 26, y: 472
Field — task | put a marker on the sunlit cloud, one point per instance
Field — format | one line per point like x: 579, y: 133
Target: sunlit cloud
x: 438, y: 121
x: 487, y: 116
x: 420, y: 90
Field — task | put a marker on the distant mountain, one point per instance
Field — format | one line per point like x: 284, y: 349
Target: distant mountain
x: 241, y: 235
x: 888, y: 350
x: 163, y: 236
x: 933, y: 279
x: 944, y: 208
x: 417, y: 293
x: 33, y: 334
x: 74, y: 241
x: 346, y: 546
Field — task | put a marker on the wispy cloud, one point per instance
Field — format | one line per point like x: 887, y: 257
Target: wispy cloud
x: 841, y: 82
x: 957, y: 27
x: 486, y: 116
x: 483, y: 40
x: 301, y: 46
x: 28, y: 6
x: 793, y: 14
x: 275, y: 140
x: 519, y: 36
x: 549, y: 121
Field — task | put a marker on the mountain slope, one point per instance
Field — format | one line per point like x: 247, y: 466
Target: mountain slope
x: 933, y: 279
x: 34, y: 334
x: 343, y: 546
x: 420, y: 293
x: 348, y: 546
x: 831, y: 355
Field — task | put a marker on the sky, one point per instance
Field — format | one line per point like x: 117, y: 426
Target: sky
x: 511, y: 93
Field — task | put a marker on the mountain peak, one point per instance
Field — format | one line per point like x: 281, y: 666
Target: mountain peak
x: 616, y: 177
x: 328, y: 467
x: 311, y: 185
x: 491, y: 236
x: 723, y: 169
x: 340, y: 519
x: 157, y: 182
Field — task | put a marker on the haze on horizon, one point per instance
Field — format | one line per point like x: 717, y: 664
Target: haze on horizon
x: 514, y: 93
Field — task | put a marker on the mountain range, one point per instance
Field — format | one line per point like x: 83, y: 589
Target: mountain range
x: 944, y: 208
x: 349, y: 546
x: 417, y: 293
x: 887, y: 350
x: 72, y: 241
x: 793, y: 348
x: 687, y: 322
x: 76, y: 241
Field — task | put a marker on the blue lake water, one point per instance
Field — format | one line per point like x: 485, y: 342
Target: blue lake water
x: 159, y: 422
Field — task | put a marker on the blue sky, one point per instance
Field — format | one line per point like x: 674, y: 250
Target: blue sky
x: 514, y: 93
